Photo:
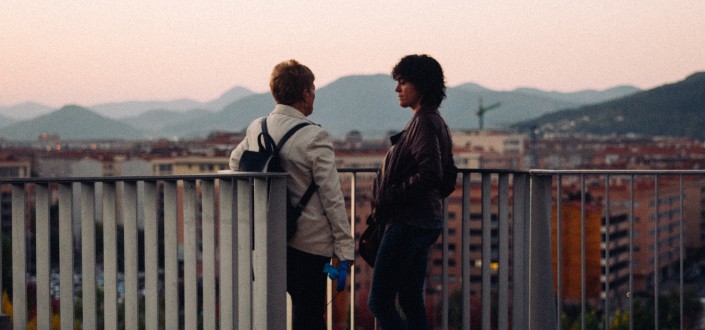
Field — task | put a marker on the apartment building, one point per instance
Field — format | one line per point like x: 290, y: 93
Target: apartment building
x: 15, y: 169
x: 188, y: 165
x: 602, y: 240
x: 503, y: 142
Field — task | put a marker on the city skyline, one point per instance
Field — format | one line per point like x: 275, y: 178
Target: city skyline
x: 97, y: 52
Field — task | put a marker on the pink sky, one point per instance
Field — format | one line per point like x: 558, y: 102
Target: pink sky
x: 90, y: 52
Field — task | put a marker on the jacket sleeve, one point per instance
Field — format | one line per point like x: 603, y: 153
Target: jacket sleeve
x: 425, y: 149
x: 321, y: 153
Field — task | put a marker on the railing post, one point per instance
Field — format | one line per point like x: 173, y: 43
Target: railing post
x: 110, y: 255
x: 228, y: 243
x: 151, y: 255
x: 486, y: 251
x: 244, y: 253
x: 465, y: 253
x: 269, y: 257
x: 542, y: 304
x: 129, y: 207
x: 520, y: 220
x: 43, y: 267
x: 208, y: 259
x: 19, y: 257
x: 4, y: 319
x: 88, y: 255
x: 444, y: 291
x: 171, y: 255
x: 503, y: 230
x: 190, y: 257
x: 66, y: 254
x: 353, y: 214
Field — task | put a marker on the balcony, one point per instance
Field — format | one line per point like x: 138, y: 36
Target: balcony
x: 519, y: 250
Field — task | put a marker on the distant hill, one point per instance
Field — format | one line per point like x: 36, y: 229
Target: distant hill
x: 676, y: 109
x: 460, y: 108
x: 71, y: 123
x: 129, y: 109
x: 582, y: 97
x: 154, y: 122
x: 22, y: 111
x: 227, y: 98
x: 234, y: 118
x: 6, y: 121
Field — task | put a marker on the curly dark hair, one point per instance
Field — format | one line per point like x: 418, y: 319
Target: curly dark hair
x: 426, y: 74
x: 288, y: 81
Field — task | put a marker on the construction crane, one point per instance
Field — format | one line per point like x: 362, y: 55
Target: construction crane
x: 481, y: 112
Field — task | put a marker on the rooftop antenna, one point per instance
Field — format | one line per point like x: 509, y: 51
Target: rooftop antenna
x: 481, y: 112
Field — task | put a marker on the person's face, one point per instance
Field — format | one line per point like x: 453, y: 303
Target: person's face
x: 309, y: 97
x: 408, y: 95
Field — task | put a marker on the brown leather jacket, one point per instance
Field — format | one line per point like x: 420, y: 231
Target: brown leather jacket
x: 406, y: 189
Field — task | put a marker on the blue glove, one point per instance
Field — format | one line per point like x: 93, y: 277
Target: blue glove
x: 340, y: 273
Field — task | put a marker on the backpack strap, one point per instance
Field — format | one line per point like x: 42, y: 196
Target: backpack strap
x: 290, y: 133
x: 264, y: 140
x: 307, y: 195
x: 270, y: 141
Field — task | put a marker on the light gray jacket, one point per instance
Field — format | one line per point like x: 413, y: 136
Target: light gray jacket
x: 323, y: 228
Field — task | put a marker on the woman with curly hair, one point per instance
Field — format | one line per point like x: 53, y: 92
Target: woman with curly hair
x: 408, y: 193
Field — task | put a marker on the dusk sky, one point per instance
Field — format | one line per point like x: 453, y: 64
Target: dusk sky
x: 58, y: 52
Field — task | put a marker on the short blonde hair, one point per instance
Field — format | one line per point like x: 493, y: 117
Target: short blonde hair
x: 289, y: 80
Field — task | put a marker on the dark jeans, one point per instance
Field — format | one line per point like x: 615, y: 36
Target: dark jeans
x: 400, y: 269
x: 306, y: 283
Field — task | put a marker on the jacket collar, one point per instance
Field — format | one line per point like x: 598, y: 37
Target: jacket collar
x: 395, y: 138
x: 426, y: 109
x: 288, y: 110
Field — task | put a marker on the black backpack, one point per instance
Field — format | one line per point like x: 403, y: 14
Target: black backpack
x: 266, y: 159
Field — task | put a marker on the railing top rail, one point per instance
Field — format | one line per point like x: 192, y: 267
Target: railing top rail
x: 616, y: 172
x: 232, y: 174
x: 144, y: 178
x: 460, y: 170
x: 357, y: 169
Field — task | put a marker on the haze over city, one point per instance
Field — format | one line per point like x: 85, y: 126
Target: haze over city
x: 91, y: 52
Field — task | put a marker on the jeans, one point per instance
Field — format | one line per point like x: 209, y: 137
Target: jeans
x: 400, y: 270
x: 306, y: 284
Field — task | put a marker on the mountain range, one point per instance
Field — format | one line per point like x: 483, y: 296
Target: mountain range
x: 22, y: 111
x: 119, y: 110
x: 71, y: 123
x: 366, y: 103
x: 676, y: 109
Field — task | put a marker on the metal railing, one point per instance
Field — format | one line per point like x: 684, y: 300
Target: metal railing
x: 250, y: 256
x: 649, y: 220
x: 211, y: 244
